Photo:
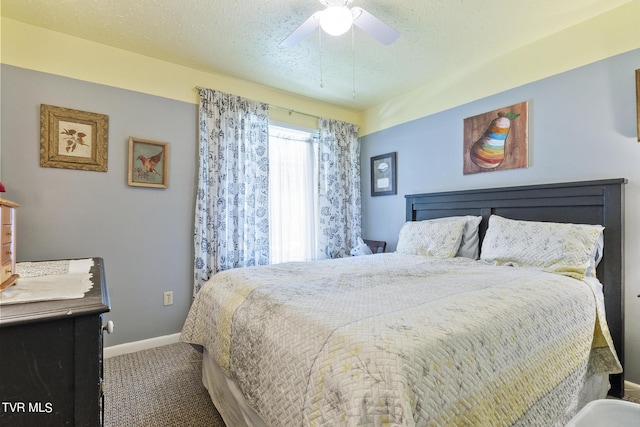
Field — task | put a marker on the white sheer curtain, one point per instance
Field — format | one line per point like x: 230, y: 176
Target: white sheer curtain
x: 292, y: 195
x: 231, y: 218
x: 339, y: 199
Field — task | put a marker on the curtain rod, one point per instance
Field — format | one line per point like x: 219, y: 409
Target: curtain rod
x: 277, y: 107
x: 293, y: 111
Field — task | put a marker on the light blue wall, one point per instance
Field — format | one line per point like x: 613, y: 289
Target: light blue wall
x: 143, y: 234
x: 582, y: 126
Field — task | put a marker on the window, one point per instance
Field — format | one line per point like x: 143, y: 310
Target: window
x: 292, y: 195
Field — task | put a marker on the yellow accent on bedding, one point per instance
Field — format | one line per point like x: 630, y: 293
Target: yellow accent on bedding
x: 402, y: 340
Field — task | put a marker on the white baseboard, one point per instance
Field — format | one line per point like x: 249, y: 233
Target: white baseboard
x: 130, y: 347
x: 628, y: 385
x: 632, y: 389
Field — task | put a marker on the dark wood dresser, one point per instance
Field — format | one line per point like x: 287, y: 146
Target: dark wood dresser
x: 51, y: 359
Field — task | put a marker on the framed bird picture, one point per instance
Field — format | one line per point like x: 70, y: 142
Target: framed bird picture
x: 148, y: 163
x: 73, y: 139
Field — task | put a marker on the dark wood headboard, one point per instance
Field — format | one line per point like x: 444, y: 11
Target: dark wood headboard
x: 588, y: 202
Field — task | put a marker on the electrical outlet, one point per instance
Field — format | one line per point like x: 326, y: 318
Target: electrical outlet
x: 168, y: 297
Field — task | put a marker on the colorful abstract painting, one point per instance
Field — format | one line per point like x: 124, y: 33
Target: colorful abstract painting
x: 496, y: 140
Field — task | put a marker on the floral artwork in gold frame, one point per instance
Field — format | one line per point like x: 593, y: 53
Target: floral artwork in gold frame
x: 148, y: 163
x: 638, y: 101
x: 73, y: 139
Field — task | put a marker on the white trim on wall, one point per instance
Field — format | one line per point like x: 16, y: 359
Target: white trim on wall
x: 131, y: 347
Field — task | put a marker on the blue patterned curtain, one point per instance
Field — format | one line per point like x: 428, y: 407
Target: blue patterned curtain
x: 231, y: 218
x: 339, y: 199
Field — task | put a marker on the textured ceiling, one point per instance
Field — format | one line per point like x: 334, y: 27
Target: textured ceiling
x: 241, y: 38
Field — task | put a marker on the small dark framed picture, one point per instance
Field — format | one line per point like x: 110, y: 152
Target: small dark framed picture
x: 383, y: 174
x: 148, y: 163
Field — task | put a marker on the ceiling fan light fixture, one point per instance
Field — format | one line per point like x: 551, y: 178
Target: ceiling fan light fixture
x: 336, y: 20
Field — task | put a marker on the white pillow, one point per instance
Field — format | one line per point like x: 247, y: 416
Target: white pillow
x: 470, y: 245
x: 435, y: 237
x: 566, y: 249
x: 597, y: 256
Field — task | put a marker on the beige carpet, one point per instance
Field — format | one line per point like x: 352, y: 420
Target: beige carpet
x: 161, y: 387
x: 158, y: 387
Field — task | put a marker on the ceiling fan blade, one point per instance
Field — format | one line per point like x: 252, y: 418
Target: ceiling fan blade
x: 302, y: 31
x: 374, y: 26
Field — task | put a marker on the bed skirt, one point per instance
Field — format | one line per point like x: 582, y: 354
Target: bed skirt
x: 226, y: 396
x: 231, y: 405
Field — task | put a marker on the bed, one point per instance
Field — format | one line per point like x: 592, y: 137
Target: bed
x: 404, y: 339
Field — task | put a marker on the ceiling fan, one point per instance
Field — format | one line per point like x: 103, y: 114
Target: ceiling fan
x: 338, y: 18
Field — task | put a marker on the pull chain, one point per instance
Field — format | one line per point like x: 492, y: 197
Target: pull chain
x: 353, y: 62
x: 320, y: 43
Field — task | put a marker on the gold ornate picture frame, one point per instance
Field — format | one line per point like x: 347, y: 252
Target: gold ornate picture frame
x: 638, y: 102
x: 73, y: 139
x: 148, y: 163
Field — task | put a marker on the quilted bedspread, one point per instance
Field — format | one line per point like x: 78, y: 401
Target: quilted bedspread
x: 401, y: 340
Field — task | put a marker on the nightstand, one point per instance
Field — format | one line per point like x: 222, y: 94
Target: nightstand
x: 376, y: 246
